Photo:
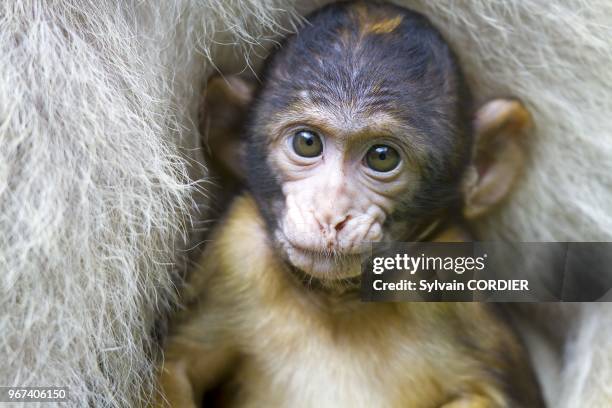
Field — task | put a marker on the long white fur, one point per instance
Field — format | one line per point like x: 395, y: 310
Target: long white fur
x: 97, y: 110
x: 97, y: 105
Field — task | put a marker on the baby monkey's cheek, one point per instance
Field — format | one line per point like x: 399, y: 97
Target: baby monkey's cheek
x: 365, y: 227
x: 298, y: 224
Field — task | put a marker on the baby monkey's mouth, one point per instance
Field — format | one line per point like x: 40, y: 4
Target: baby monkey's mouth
x: 322, y: 261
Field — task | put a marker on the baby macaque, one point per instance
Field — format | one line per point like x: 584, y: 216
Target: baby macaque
x: 362, y: 131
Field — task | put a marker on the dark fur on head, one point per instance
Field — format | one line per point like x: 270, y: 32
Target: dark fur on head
x: 383, y: 57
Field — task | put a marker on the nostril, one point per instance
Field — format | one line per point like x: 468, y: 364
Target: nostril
x: 342, y: 223
x: 319, y: 224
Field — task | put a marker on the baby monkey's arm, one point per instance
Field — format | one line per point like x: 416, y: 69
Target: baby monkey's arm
x: 200, y: 347
x: 190, y: 368
x: 471, y: 402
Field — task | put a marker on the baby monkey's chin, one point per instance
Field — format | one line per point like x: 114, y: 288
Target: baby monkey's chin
x: 321, y: 264
x: 324, y: 266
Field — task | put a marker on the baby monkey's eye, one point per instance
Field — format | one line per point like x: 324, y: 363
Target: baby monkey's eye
x: 382, y: 158
x: 307, y: 143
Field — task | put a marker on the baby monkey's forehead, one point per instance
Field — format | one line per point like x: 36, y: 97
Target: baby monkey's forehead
x: 373, y: 55
x: 356, y: 64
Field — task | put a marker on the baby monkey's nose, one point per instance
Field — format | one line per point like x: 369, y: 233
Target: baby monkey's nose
x: 331, y: 225
x: 340, y: 225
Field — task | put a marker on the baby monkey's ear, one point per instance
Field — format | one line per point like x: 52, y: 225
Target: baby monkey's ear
x: 498, y: 157
x: 222, y: 117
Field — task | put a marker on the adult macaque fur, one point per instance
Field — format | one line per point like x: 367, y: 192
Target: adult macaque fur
x: 97, y: 106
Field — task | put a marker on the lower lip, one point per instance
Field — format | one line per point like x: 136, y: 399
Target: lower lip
x: 323, y: 255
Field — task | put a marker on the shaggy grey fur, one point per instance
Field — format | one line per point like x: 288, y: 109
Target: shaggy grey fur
x: 97, y: 105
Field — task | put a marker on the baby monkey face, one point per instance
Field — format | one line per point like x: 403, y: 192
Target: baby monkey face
x: 362, y: 132
x: 357, y: 134
x: 341, y: 174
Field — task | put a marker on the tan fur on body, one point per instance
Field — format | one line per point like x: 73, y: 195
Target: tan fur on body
x: 290, y: 346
